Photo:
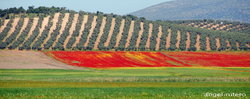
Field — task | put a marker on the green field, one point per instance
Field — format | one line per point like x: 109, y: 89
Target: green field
x: 156, y: 83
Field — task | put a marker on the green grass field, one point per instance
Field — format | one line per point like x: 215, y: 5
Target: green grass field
x: 156, y: 83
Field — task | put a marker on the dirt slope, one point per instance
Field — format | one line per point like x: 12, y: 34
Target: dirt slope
x: 4, y: 25
x: 140, y: 35
x: 130, y: 33
x: 149, y: 35
x: 110, y: 32
x: 13, y: 59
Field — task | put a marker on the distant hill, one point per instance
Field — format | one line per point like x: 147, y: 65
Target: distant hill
x: 216, y: 25
x: 231, y: 10
x: 39, y: 29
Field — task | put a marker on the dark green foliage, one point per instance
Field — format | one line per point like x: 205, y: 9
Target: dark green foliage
x: 163, y: 41
x: 123, y: 41
x: 223, y: 44
x: 243, y: 46
x: 55, y: 33
x: 173, y: 40
x: 6, y: 30
x: 144, y: 36
x: 203, y: 41
x: 23, y: 35
x: 183, y: 40
x: 193, y: 37
x: 154, y: 37
x: 134, y: 37
x: 27, y: 44
x: 64, y: 35
x: 44, y: 35
x: 13, y: 36
x: 76, y: 32
x: 85, y: 33
x: 106, y: 31
x: 95, y: 33
x: 32, y: 11
x: 212, y: 42
x: 223, y: 25
x: 115, y: 33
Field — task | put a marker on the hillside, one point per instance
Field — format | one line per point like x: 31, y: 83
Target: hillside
x: 69, y: 30
x: 216, y: 25
x: 231, y: 10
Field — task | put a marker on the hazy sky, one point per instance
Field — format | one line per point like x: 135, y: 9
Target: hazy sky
x: 108, y: 6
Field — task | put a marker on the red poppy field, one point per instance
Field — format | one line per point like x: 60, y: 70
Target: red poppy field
x: 109, y: 59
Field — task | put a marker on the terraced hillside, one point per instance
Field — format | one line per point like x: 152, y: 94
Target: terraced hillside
x: 98, y: 31
x: 217, y: 25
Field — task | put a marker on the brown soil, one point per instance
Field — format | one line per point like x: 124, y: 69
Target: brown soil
x: 14, y: 59
x: 119, y: 36
x: 71, y: 30
x: 130, y: 33
x: 197, y: 45
x: 158, y: 40
x: 101, y: 33
x: 248, y: 45
x: 91, y: 31
x: 238, y: 45
x: 4, y: 25
x: 222, y: 27
x: 139, y: 35
x: 106, y: 44
x: 217, y: 43
x: 188, y: 42
x: 12, y: 29
x: 34, y: 25
x: 228, y: 44
x: 208, y: 44
x: 52, y: 28
x: 178, y: 39
x: 215, y: 26
x: 168, y: 38
x: 149, y: 35
x: 85, y: 20
x: 44, y: 23
x: 63, y: 25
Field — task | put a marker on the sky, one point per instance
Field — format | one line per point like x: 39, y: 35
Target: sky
x: 121, y: 7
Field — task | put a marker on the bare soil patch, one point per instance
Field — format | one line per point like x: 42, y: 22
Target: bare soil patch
x: 139, y: 35
x: 130, y: 33
x: 228, y: 44
x: 197, y: 45
x: 178, y: 39
x: 14, y: 59
x: 158, y: 40
x: 217, y: 43
x: 149, y: 35
x: 208, y: 44
x: 119, y: 36
x: 188, y: 42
